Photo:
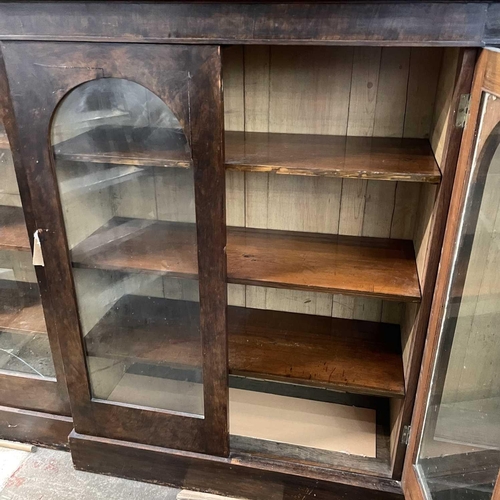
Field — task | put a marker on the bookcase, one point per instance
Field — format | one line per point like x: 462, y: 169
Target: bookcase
x: 240, y: 237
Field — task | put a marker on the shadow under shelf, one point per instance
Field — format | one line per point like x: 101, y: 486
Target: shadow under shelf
x: 348, y: 355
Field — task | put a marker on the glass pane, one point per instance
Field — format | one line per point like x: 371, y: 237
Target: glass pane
x: 126, y: 183
x: 459, y: 455
x: 24, y: 344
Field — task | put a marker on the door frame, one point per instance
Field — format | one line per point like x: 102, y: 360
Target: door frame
x: 57, y: 68
x: 19, y: 390
x: 486, y: 79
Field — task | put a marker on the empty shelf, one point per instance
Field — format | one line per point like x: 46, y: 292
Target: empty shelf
x: 377, y: 267
x: 355, y: 356
x: 381, y: 158
x: 126, y: 145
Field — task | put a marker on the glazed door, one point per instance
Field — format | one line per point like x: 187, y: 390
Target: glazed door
x: 31, y: 373
x: 122, y: 145
x: 454, y: 451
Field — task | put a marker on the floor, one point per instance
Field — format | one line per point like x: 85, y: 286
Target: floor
x: 49, y: 475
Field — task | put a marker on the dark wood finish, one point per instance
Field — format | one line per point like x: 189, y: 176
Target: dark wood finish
x: 125, y: 146
x: 44, y: 395
x: 332, y: 23
x: 463, y: 83
x: 354, y: 265
x: 381, y: 158
x: 239, y: 475
x: 20, y: 308
x: 357, y: 356
x: 42, y: 429
x: 167, y: 71
x: 30, y: 392
x: 13, y: 234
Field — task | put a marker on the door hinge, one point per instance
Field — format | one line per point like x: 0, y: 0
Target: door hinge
x: 405, y: 437
x: 463, y: 111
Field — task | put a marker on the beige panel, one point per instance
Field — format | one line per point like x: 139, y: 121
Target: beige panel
x: 315, y: 424
x: 425, y: 64
x: 364, y: 88
x: 405, y: 210
x: 289, y: 300
x: 232, y: 73
x: 303, y: 81
x: 235, y: 199
x: 257, y: 73
x: 179, y: 289
x: 391, y: 96
x: 352, y: 207
x: 136, y: 198
x: 175, y: 194
x: 379, y: 209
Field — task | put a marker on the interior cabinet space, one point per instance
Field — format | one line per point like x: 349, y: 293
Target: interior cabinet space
x: 24, y: 344
x: 334, y: 158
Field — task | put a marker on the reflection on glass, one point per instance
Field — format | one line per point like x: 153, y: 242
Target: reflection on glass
x: 126, y: 184
x: 459, y: 455
x: 24, y: 345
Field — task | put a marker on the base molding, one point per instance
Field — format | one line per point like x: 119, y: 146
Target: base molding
x: 43, y: 429
x: 246, y: 477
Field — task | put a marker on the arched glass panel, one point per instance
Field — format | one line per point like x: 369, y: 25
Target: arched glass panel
x: 126, y: 184
x: 24, y: 344
x: 459, y: 455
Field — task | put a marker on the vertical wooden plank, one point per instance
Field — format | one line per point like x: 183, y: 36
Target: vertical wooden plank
x: 352, y: 206
x: 364, y: 87
x: 234, y: 119
x: 379, y: 209
x: 392, y: 91
x: 257, y: 67
x: 234, y: 109
x: 304, y: 84
x: 405, y: 210
x: 425, y: 64
x: 235, y: 198
x: 289, y: 300
x: 309, y: 204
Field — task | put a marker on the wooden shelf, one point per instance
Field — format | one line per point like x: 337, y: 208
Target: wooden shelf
x: 375, y: 267
x: 13, y: 233
x: 20, y: 308
x: 381, y: 158
x: 355, y: 356
x: 121, y: 145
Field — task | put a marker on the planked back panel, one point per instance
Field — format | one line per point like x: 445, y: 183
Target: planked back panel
x: 357, y: 91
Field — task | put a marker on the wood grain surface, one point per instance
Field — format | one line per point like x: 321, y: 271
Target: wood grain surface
x: 354, y: 265
x: 409, y: 160
x: 357, y: 356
